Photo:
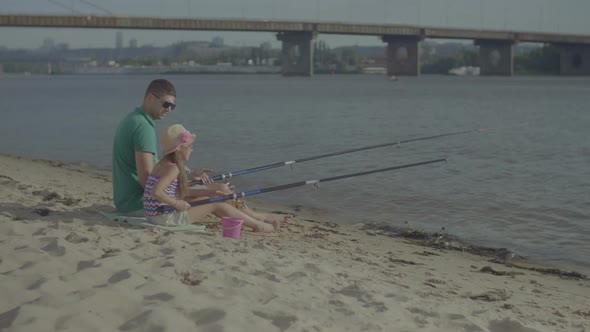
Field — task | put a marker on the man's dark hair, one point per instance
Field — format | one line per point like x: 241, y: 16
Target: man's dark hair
x: 161, y: 87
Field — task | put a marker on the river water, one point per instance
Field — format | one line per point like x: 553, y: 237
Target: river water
x: 525, y: 188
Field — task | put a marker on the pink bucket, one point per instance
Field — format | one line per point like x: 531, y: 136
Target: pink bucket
x: 232, y: 227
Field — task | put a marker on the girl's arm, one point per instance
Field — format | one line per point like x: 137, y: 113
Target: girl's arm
x: 192, y: 193
x: 167, y: 175
x: 213, y: 189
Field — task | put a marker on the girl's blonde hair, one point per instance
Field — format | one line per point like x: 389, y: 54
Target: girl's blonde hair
x: 182, y: 188
x: 173, y: 139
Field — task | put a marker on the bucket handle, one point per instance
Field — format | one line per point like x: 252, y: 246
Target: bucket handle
x: 233, y: 227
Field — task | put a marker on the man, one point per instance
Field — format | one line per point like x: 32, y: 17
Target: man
x: 135, y: 152
x: 135, y: 146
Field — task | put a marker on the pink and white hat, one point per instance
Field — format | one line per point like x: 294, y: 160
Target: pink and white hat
x: 174, y: 137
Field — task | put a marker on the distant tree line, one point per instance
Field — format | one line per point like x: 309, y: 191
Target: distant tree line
x: 540, y: 61
x: 326, y: 60
x: 435, y: 58
x: 436, y: 64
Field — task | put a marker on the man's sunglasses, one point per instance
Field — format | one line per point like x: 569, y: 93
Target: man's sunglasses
x: 166, y: 103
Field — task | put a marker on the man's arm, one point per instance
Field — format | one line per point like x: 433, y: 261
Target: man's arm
x: 144, y: 163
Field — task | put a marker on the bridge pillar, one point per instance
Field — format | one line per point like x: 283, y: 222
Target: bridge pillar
x: 496, y: 57
x: 403, y: 55
x: 574, y: 59
x: 297, y: 53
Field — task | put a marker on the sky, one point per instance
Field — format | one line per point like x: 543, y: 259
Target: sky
x: 564, y: 16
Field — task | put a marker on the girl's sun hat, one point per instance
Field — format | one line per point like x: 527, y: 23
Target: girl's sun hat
x: 174, y: 137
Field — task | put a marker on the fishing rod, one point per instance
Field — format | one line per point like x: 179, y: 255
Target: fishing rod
x: 370, y: 147
x: 299, y: 184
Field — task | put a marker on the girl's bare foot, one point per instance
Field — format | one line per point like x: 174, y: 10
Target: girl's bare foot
x: 265, y: 228
x: 280, y: 219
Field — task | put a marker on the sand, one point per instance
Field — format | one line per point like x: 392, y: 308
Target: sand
x: 64, y: 267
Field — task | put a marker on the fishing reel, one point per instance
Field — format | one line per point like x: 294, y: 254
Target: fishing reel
x: 238, y: 203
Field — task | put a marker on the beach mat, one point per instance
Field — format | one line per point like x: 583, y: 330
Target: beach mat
x: 142, y: 222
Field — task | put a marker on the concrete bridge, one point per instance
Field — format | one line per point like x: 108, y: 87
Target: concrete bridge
x: 403, y: 41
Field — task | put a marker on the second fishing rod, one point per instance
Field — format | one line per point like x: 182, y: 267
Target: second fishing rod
x: 331, y: 154
x: 316, y: 182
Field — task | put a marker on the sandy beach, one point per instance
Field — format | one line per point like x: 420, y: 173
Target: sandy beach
x: 64, y: 267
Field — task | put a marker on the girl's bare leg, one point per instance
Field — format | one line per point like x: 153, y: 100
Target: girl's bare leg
x: 270, y: 218
x: 225, y: 210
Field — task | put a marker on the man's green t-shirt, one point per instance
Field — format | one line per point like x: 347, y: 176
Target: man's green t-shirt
x: 135, y: 133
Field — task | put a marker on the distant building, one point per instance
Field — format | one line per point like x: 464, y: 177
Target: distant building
x: 62, y: 47
x: 374, y: 64
x: 48, y: 44
x: 374, y: 70
x: 375, y: 60
x: 192, y: 49
x: 119, y: 40
x: 133, y: 43
x: 217, y: 42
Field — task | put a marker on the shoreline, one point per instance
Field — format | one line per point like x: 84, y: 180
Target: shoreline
x: 62, y: 263
x: 421, y: 236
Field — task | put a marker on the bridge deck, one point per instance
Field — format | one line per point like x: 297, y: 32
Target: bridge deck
x: 124, y: 22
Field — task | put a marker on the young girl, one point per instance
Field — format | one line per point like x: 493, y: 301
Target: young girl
x: 167, y: 185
